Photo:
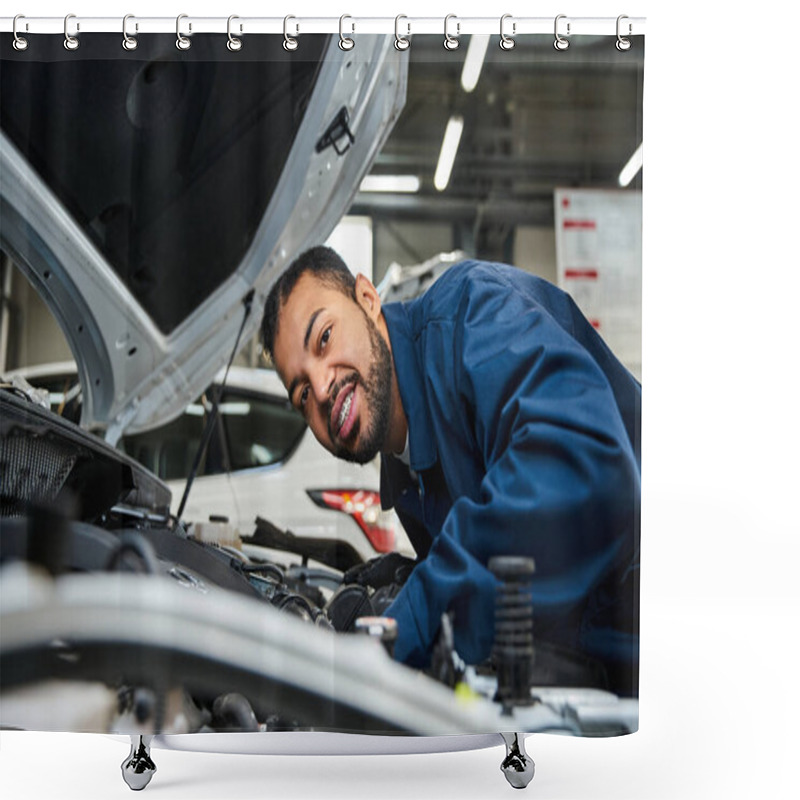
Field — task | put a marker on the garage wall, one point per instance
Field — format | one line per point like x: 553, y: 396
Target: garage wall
x: 535, y: 251
x: 34, y: 336
x: 534, y: 248
x: 407, y: 243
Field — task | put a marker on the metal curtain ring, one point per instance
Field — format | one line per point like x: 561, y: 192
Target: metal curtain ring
x: 451, y: 42
x: 234, y: 44
x: 128, y: 42
x: 289, y: 43
x: 20, y: 43
x: 182, y: 43
x: 70, y: 42
x: 346, y: 43
x: 561, y: 43
x: 623, y: 43
x: 401, y: 42
x: 506, y: 42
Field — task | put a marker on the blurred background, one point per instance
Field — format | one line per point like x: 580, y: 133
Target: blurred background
x: 530, y: 157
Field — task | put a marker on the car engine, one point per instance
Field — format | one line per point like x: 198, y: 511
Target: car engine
x: 118, y: 617
x: 72, y: 505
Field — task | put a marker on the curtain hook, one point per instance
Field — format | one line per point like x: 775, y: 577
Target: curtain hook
x: 129, y: 42
x: 289, y: 43
x: 561, y: 43
x: 622, y: 42
x: 346, y: 43
x: 451, y: 42
x: 234, y: 44
x: 506, y: 42
x: 20, y: 43
x: 70, y: 42
x: 401, y: 42
x: 182, y: 43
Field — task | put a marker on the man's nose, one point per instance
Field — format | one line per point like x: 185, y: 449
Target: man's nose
x: 322, y: 383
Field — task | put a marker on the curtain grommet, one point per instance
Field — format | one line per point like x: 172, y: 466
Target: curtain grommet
x: 182, y: 42
x: 234, y: 44
x: 401, y: 42
x: 560, y: 42
x: 20, y: 42
x: 451, y: 42
x: 622, y: 44
x: 70, y: 42
x: 507, y: 42
x: 345, y: 42
x: 289, y: 42
x: 129, y: 42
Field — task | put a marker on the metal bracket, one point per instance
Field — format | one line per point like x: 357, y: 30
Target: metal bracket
x: 335, y: 132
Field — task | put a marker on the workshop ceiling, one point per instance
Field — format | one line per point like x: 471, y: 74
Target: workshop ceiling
x: 538, y: 119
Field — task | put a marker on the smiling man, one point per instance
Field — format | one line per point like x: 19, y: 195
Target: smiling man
x: 505, y: 426
x: 336, y: 364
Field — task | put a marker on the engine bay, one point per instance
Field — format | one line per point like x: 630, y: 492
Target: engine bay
x: 120, y: 618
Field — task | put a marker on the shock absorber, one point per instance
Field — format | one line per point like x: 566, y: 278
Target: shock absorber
x: 513, y: 652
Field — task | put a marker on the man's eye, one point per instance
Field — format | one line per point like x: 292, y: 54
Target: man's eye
x: 303, y: 396
x: 326, y: 334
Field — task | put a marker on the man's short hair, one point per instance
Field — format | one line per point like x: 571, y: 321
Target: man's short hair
x: 324, y: 264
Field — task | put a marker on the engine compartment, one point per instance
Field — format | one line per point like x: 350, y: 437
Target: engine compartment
x: 74, y: 506
x: 117, y: 617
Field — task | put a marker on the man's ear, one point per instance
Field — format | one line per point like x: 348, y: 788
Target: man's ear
x: 367, y: 297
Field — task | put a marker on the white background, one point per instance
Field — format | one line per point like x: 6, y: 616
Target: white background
x: 720, y: 603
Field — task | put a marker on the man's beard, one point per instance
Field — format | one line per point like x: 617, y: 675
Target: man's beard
x: 377, y: 396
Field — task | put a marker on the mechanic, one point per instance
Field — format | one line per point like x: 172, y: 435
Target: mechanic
x: 506, y: 427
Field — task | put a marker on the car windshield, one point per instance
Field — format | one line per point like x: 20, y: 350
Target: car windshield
x: 253, y: 430
x: 154, y: 179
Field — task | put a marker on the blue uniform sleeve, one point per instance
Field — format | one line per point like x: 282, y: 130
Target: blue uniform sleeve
x: 558, y: 480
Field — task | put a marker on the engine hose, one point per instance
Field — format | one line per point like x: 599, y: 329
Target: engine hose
x: 295, y: 604
x: 268, y: 569
x: 134, y: 542
x: 232, y: 711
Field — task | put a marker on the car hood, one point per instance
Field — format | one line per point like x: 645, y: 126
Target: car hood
x: 147, y: 200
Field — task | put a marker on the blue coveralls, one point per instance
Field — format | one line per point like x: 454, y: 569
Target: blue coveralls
x: 524, y: 432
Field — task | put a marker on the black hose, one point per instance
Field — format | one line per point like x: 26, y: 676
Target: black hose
x: 134, y: 542
x: 272, y: 569
x: 232, y: 711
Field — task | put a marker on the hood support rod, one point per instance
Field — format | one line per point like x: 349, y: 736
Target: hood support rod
x: 209, y: 429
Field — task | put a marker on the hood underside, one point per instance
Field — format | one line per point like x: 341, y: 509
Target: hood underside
x: 146, y: 194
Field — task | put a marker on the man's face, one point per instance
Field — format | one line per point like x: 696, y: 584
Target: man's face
x: 336, y: 367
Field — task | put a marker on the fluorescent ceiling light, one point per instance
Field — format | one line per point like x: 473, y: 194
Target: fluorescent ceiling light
x: 452, y: 136
x: 390, y: 183
x: 476, y: 52
x: 632, y: 167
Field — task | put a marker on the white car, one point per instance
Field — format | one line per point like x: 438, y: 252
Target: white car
x: 263, y: 462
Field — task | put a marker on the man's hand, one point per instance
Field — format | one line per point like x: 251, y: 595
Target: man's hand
x: 381, y: 571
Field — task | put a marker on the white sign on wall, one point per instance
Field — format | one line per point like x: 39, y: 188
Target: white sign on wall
x: 599, y: 263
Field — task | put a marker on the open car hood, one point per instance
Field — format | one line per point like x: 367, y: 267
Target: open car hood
x: 152, y: 193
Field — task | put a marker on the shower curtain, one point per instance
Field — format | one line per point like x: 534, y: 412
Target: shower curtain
x: 179, y: 555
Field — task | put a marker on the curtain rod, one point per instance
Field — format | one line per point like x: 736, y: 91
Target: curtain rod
x: 348, y: 25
